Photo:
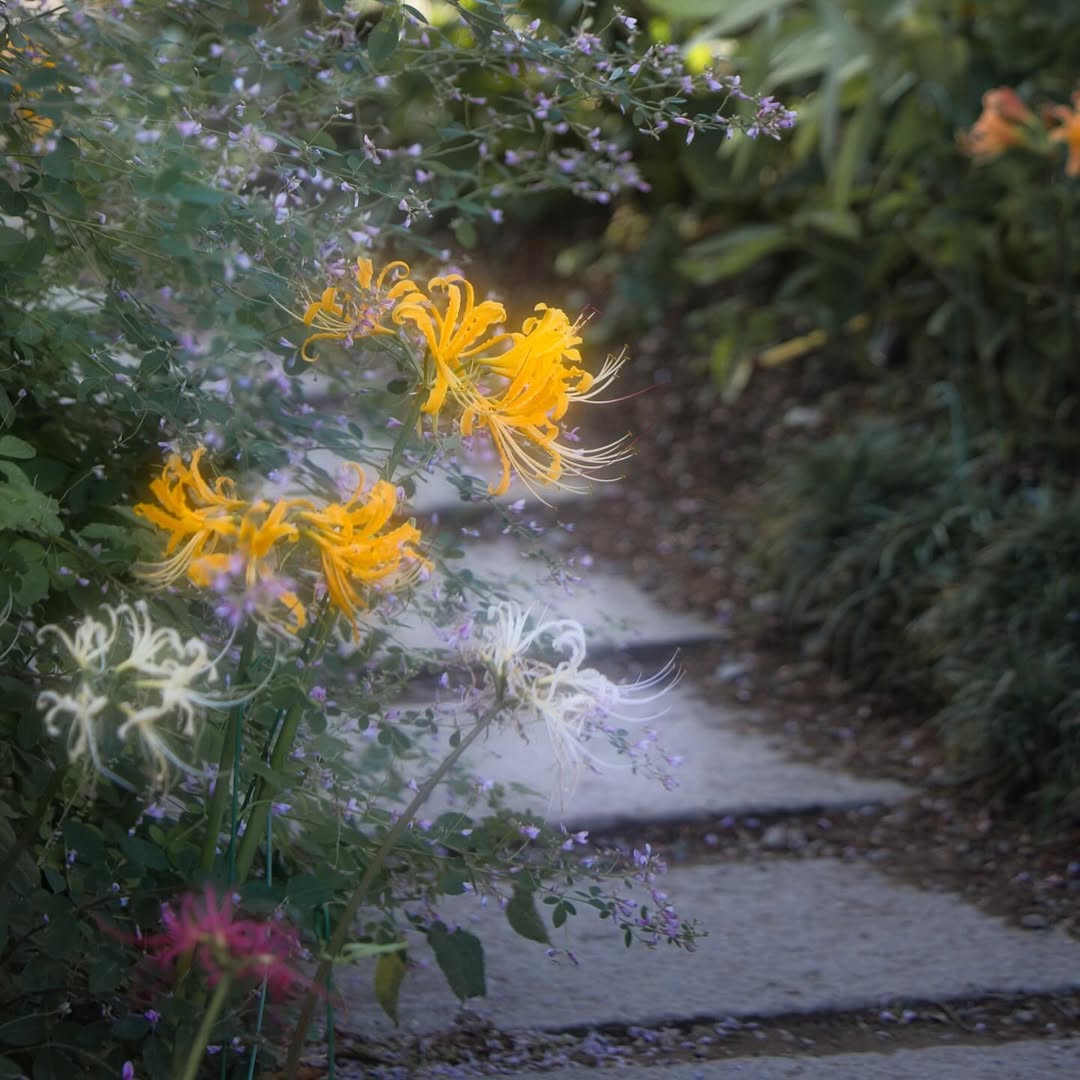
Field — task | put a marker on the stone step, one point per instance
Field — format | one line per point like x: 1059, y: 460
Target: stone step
x: 1042, y: 1059
x: 613, y: 610
x: 724, y: 769
x: 784, y: 936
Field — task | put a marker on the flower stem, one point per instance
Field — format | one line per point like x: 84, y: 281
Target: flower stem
x: 371, y: 871
x: 259, y: 805
x: 202, y: 1037
x: 262, y: 989
x: 402, y: 440
x: 215, y: 812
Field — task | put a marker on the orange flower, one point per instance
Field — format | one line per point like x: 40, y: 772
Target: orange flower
x: 453, y: 335
x: 1068, y: 132
x: 1000, y: 126
x: 354, y: 549
x: 360, y: 311
x: 543, y: 376
x: 197, y: 517
x: 213, y: 533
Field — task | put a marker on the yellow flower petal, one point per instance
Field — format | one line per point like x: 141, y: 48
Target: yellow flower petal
x: 353, y: 548
x: 345, y: 314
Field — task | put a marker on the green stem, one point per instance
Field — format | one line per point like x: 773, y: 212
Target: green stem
x: 262, y: 990
x: 371, y: 871
x: 409, y: 425
x: 202, y: 1037
x: 215, y: 812
x: 259, y: 806
x: 234, y: 805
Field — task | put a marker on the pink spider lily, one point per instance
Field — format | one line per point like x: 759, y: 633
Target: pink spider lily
x: 205, y: 926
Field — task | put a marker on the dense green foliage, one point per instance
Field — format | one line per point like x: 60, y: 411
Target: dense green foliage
x: 182, y: 185
x: 932, y: 548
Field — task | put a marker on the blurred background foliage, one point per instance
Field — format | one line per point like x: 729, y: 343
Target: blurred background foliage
x: 928, y: 544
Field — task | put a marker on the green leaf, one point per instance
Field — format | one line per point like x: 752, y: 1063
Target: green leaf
x: 841, y: 224
x: 43, y: 975
x: 33, y: 582
x: 460, y: 956
x: 9, y: 1070
x: 132, y: 1026
x: 197, y: 194
x: 389, y: 974
x: 84, y: 838
x: 144, y: 854
x: 50, y: 1064
x: 24, y: 1030
x: 7, y: 410
x: 737, y: 16
x: 854, y: 147
x: 12, y: 202
x: 464, y: 232
x: 106, y: 977
x: 28, y: 332
x: 383, y: 40
x: 23, y: 507
x: 12, y: 447
x: 59, y: 162
x: 732, y: 253
x: 11, y: 243
x: 307, y: 892
x: 24, y: 877
x: 523, y: 917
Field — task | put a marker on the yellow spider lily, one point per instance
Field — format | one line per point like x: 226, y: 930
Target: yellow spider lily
x: 516, y: 385
x: 352, y: 547
x: 197, y: 517
x: 358, y: 313
x: 256, y: 539
x: 453, y: 336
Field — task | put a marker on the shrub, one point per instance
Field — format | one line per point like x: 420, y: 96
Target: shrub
x: 212, y: 755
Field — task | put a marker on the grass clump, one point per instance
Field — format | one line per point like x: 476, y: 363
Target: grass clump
x: 921, y: 576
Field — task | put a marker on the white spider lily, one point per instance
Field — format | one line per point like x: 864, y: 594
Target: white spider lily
x: 573, y: 702
x: 152, y: 676
x: 90, y: 645
x: 80, y: 711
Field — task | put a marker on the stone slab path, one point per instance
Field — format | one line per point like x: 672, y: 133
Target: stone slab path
x: 1046, y: 1060
x: 616, y: 613
x: 783, y: 937
x: 799, y: 935
x: 723, y: 768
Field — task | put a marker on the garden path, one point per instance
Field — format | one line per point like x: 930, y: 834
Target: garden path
x: 805, y: 958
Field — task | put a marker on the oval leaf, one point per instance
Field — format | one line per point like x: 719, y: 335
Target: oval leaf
x: 461, y: 958
x: 389, y: 974
x: 524, y: 919
x: 12, y: 447
x: 383, y: 40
